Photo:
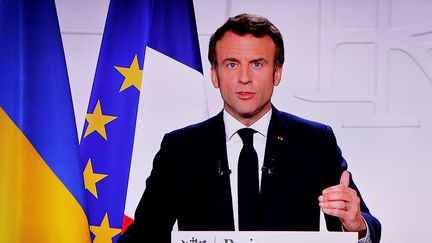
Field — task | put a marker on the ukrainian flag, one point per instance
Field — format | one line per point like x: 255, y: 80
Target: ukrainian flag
x: 41, y: 183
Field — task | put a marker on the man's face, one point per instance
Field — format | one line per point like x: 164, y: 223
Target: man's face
x: 246, y: 75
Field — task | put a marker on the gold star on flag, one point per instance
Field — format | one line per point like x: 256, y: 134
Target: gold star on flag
x: 91, y: 178
x: 104, y: 233
x: 97, y: 121
x: 132, y: 74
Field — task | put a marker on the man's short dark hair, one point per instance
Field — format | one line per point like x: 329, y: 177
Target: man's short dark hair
x: 248, y: 24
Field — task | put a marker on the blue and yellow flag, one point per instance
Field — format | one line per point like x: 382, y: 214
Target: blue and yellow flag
x: 167, y: 26
x: 41, y: 184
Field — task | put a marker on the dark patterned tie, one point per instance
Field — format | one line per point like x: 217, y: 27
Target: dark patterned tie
x: 248, y: 187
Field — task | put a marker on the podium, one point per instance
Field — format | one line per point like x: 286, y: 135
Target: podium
x: 322, y: 236
x: 262, y: 237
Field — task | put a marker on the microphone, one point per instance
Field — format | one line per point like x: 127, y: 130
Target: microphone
x: 268, y: 170
x: 269, y: 167
x: 223, y: 171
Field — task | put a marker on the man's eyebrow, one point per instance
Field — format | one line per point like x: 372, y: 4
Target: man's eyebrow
x: 261, y: 59
x: 230, y: 59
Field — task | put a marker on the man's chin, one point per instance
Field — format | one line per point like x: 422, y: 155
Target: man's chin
x: 251, y: 115
x: 247, y: 115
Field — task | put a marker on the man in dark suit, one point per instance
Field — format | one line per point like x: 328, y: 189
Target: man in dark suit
x: 299, y: 169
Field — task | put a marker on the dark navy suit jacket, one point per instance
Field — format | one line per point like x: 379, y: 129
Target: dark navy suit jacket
x: 190, y: 181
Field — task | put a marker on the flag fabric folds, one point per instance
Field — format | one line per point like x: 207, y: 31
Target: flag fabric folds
x: 41, y: 182
x: 107, y: 142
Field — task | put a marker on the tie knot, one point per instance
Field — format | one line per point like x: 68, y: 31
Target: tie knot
x: 246, y: 135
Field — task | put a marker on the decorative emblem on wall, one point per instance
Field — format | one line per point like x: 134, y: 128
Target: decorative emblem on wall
x: 363, y: 50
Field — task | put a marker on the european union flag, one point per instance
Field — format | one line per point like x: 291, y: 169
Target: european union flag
x: 167, y: 26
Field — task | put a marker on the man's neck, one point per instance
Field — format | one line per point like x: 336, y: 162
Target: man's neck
x: 248, y: 121
x: 232, y: 125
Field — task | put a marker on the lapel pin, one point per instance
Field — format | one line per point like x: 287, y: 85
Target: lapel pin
x: 280, y: 138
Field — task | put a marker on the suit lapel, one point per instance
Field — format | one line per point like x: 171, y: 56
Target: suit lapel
x: 217, y: 144
x: 222, y: 211
x: 277, y: 138
x: 287, y: 156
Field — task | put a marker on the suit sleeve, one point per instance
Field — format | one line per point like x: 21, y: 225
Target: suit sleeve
x: 155, y: 214
x: 332, y: 174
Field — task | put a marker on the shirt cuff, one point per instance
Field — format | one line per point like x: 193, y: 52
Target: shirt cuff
x: 366, y: 238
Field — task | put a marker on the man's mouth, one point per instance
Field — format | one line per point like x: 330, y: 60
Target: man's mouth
x: 245, y: 95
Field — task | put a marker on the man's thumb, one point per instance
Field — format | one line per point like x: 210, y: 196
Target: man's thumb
x: 345, y: 178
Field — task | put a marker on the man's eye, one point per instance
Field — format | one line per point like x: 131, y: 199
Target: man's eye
x: 257, y: 64
x: 231, y: 65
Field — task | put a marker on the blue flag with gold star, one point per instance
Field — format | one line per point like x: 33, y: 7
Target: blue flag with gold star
x: 133, y: 29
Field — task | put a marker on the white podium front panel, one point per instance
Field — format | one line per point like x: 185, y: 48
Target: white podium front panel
x: 262, y: 237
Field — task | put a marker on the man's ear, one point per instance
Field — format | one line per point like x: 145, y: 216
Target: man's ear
x: 277, y: 75
x: 215, y: 77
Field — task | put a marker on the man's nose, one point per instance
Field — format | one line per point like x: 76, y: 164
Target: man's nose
x: 245, y: 76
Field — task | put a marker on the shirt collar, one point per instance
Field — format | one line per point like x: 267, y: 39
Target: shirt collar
x: 232, y: 125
